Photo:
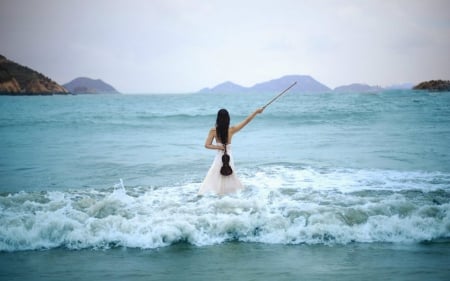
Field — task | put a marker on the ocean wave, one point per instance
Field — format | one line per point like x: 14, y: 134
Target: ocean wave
x: 280, y: 205
x: 344, y: 180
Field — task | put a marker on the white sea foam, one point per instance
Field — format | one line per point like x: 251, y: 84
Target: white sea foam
x: 347, y: 180
x: 280, y: 205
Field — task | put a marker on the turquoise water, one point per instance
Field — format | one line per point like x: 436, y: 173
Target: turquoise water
x: 234, y: 261
x: 322, y: 171
x: 77, y: 142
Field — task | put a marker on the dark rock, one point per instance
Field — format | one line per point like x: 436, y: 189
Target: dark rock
x: 434, y: 85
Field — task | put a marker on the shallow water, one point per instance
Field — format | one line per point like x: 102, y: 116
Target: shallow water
x: 234, y: 261
x: 77, y: 142
x: 355, y: 184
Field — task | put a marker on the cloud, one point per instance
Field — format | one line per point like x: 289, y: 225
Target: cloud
x: 181, y: 46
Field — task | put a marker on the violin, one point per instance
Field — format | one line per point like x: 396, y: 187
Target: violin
x: 226, y: 168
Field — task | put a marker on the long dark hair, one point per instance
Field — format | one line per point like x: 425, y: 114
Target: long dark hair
x: 222, y: 126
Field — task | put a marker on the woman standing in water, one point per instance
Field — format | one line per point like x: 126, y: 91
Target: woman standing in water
x: 221, y: 178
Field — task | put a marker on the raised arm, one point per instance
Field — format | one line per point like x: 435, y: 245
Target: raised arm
x: 247, y: 120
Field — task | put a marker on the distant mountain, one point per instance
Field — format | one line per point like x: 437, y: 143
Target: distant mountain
x: 16, y: 79
x: 403, y: 86
x: 357, y: 87
x: 305, y: 83
x: 226, y: 87
x: 84, y: 85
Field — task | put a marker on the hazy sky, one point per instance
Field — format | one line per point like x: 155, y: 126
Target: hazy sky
x: 182, y: 46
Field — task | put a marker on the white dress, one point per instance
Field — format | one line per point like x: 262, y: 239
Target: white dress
x: 215, y: 182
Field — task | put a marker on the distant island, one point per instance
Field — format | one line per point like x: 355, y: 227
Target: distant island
x: 16, y: 79
x: 84, y: 85
x: 357, y: 87
x: 403, y: 86
x: 305, y: 84
x: 434, y: 85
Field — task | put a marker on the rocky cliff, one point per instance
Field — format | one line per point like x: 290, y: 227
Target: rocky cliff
x: 434, y: 85
x: 16, y: 79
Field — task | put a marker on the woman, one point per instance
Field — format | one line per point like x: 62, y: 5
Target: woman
x: 221, y: 178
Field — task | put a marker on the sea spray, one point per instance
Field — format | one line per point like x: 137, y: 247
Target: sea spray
x: 283, y: 205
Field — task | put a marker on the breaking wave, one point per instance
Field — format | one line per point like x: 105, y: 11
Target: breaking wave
x: 283, y: 205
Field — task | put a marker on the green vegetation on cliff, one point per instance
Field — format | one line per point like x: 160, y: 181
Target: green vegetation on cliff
x: 16, y: 79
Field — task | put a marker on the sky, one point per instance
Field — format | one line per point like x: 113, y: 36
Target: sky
x: 179, y: 46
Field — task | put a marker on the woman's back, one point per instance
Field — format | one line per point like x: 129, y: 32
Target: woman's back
x: 231, y: 132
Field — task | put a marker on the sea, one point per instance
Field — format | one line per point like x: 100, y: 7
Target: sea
x: 338, y: 186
